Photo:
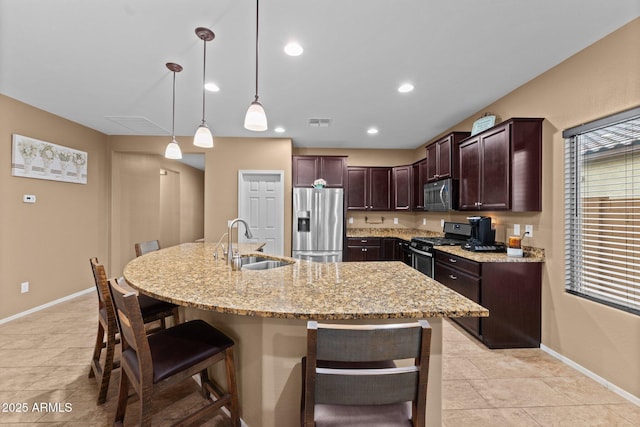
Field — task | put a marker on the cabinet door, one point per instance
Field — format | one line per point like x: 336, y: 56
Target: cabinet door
x: 402, y: 188
x: 304, y: 170
x: 444, y: 158
x: 380, y: 189
x: 389, y: 249
x: 333, y: 169
x: 469, y: 186
x: 419, y: 177
x: 357, y: 197
x: 495, y: 189
x: 432, y: 162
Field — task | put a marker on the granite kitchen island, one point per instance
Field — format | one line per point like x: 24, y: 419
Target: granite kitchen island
x: 265, y: 312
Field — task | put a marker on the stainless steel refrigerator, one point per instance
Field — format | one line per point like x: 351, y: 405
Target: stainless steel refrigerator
x: 318, y: 224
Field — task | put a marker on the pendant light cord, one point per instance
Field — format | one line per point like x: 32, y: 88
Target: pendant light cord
x: 204, y: 70
x: 257, y: 9
x: 173, y: 115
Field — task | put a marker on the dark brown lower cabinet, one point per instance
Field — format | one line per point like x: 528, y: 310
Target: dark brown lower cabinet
x: 511, y: 291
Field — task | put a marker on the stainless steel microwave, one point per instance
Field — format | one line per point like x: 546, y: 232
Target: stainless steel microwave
x: 441, y: 196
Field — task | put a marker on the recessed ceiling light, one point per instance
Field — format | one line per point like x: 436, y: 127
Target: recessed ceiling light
x: 372, y: 131
x: 293, y: 49
x: 279, y: 129
x: 212, y: 87
x: 405, y: 87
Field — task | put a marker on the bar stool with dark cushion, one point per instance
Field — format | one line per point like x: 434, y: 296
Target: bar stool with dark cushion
x: 351, y: 379
x: 152, y: 310
x: 169, y: 356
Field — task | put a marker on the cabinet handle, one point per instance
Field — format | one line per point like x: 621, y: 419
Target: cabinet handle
x: 364, y: 240
x: 453, y: 260
x: 451, y: 276
x: 364, y: 249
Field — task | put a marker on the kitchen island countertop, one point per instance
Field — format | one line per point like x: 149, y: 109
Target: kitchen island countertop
x: 188, y: 275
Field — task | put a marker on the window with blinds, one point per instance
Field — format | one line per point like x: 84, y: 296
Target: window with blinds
x: 602, y: 208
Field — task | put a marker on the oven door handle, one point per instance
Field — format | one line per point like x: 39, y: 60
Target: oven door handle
x: 416, y: 251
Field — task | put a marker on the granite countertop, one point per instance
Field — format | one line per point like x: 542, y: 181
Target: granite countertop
x: 531, y: 254
x: 188, y: 275
x: 400, y: 233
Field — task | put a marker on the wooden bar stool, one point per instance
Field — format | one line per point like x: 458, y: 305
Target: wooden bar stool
x: 106, y: 339
x: 146, y: 247
x: 350, y: 378
x: 150, y: 362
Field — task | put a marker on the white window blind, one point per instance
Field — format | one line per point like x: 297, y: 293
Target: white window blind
x: 602, y: 209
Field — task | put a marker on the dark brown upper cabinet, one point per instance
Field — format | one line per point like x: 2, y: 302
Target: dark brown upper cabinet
x: 501, y: 167
x: 442, y: 156
x: 402, y: 188
x: 369, y: 188
x: 306, y: 169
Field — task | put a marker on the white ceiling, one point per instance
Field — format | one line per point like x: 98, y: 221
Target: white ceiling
x: 92, y: 60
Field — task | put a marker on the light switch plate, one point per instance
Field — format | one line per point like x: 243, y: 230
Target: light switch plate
x: 350, y: 220
x: 516, y: 229
x: 24, y: 287
x: 424, y: 221
x: 395, y: 220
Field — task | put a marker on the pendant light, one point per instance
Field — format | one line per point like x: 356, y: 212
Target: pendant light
x: 173, y: 149
x: 203, y: 137
x: 256, y: 118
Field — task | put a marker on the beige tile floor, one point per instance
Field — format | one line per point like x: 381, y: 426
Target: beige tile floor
x: 44, y: 358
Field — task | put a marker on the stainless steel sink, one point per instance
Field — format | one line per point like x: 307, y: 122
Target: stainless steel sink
x: 261, y: 263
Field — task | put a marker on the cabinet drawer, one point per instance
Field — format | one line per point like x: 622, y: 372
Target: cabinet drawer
x: 463, y: 283
x: 363, y: 241
x: 458, y: 263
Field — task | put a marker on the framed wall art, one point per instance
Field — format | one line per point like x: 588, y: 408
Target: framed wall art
x: 32, y: 158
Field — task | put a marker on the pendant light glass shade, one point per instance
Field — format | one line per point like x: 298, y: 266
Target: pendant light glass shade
x: 256, y: 119
x: 203, y: 137
x: 173, y: 150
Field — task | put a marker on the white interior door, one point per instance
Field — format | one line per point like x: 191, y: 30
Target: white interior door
x: 261, y: 204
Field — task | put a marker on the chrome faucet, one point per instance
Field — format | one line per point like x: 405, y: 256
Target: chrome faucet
x: 215, y: 251
x: 247, y: 233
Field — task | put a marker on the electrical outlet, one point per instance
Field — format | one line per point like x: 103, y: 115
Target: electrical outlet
x: 442, y: 223
x: 24, y: 287
x: 350, y: 220
x: 424, y: 221
x: 395, y: 220
x: 29, y: 198
x: 529, y: 230
x: 516, y: 229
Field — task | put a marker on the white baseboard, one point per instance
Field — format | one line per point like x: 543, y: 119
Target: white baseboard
x: 49, y: 304
x: 614, y: 388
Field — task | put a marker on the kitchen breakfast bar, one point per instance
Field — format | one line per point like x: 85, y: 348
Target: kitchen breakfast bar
x: 265, y: 312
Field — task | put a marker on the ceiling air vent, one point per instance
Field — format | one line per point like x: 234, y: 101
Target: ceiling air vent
x: 319, y: 123
x: 138, y: 125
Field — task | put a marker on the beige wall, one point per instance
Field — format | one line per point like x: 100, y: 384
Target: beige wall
x: 367, y: 157
x: 221, y: 180
x: 49, y: 243
x: 140, y: 196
